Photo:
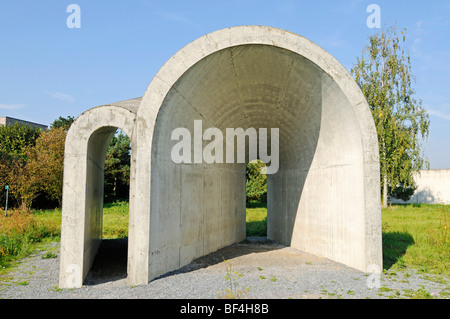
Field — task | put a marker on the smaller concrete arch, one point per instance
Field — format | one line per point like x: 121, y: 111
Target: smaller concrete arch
x: 86, y: 145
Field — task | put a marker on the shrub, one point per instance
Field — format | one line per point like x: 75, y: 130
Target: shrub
x: 19, y: 230
x: 256, y: 186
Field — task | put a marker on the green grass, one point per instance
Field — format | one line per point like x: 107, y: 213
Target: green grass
x: 256, y: 219
x: 416, y: 236
x: 21, y: 234
x: 115, y: 220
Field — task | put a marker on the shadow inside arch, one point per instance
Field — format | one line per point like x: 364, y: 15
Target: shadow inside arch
x: 395, y: 245
x: 251, y: 245
x: 110, y: 264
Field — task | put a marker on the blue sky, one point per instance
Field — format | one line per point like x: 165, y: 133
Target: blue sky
x: 48, y: 70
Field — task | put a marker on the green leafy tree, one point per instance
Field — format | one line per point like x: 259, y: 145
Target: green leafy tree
x: 384, y: 76
x: 15, y: 142
x: 40, y: 172
x: 117, y: 167
x: 256, y: 185
x: 46, y: 158
x: 4, y: 181
x: 24, y: 182
x: 64, y: 122
x: 14, y: 139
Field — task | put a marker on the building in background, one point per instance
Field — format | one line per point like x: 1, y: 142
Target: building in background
x: 6, y: 120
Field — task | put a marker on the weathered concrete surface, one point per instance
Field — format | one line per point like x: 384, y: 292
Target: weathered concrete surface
x: 323, y: 200
x: 432, y: 187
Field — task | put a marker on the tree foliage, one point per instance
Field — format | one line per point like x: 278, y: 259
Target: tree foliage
x: 38, y: 171
x: 47, y: 160
x: 117, y: 167
x: 15, y: 142
x: 384, y: 76
x: 14, y: 139
x: 256, y: 185
x: 63, y: 122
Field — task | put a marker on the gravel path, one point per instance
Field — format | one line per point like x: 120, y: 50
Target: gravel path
x: 267, y: 271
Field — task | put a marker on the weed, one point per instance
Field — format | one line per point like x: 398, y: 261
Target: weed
x: 49, y: 255
x: 19, y: 231
x: 420, y: 293
x: 440, y: 237
x: 233, y: 292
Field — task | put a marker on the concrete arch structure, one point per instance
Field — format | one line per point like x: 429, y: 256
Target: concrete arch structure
x: 86, y: 144
x: 324, y: 199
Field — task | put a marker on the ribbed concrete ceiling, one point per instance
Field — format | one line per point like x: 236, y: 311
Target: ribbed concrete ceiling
x: 246, y: 86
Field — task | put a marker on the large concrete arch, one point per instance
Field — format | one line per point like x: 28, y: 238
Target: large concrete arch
x: 324, y: 199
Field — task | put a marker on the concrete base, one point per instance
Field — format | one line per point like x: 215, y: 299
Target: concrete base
x: 324, y: 199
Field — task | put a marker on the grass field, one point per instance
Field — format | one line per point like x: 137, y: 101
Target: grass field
x: 417, y: 236
x: 414, y: 236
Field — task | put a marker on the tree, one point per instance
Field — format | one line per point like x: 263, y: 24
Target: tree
x: 40, y: 171
x: 384, y: 76
x: 4, y: 170
x: 256, y: 183
x: 63, y: 122
x: 14, y: 139
x: 47, y: 160
x: 117, y: 167
x: 24, y: 182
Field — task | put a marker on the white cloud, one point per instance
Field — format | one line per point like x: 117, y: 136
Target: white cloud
x: 61, y: 96
x: 442, y: 115
x: 415, y: 47
x: 11, y: 106
x: 176, y: 18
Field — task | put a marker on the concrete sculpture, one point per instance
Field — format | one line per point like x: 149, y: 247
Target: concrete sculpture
x: 324, y: 198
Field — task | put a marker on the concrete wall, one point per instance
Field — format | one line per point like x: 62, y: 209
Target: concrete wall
x: 433, y: 187
x: 241, y: 77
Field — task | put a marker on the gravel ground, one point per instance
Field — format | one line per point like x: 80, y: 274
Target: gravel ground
x: 267, y: 271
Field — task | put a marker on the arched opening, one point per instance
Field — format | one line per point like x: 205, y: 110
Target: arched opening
x: 317, y: 201
x: 87, y: 143
x: 110, y: 262
x: 197, y: 206
x: 256, y: 200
